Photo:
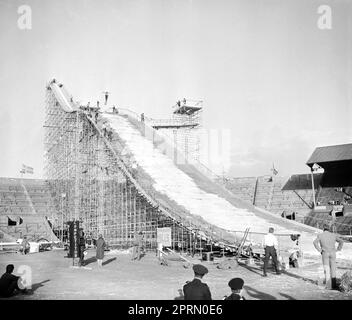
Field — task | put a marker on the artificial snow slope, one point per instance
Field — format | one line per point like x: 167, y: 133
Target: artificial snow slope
x: 184, y: 186
x: 183, y: 191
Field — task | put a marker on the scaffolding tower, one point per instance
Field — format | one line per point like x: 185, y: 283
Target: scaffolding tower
x: 89, y: 181
x: 184, y: 127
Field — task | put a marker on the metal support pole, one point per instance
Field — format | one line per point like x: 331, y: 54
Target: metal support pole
x: 313, y: 189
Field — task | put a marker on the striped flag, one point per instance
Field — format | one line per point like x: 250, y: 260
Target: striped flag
x: 275, y: 172
x: 26, y: 169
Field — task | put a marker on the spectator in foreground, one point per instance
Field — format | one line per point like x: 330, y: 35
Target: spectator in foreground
x: 196, y: 289
x: 325, y: 244
x: 236, y: 285
x: 100, y: 250
x: 9, y: 283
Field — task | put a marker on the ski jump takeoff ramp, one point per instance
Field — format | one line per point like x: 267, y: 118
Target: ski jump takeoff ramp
x: 183, y: 191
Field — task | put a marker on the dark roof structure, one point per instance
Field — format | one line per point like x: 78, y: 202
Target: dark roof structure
x: 336, y: 162
x: 302, y: 182
x: 323, y: 155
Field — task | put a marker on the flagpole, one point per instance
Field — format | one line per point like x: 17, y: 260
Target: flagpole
x: 313, y: 189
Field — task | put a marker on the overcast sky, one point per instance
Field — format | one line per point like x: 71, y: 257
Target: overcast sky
x: 264, y: 69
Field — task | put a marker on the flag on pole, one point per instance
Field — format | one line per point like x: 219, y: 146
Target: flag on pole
x: 275, y: 172
x: 26, y: 169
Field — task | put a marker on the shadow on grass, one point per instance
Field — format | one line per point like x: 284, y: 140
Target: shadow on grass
x: 296, y: 276
x: 36, y: 286
x: 286, y: 296
x: 108, y: 261
x: 254, y: 293
x: 256, y: 269
x: 89, y: 261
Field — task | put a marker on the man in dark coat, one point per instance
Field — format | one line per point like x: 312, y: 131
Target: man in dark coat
x: 100, y: 250
x: 236, y: 285
x: 81, y: 246
x: 9, y: 283
x: 196, y: 289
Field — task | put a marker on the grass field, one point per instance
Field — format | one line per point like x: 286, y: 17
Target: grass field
x: 53, y: 277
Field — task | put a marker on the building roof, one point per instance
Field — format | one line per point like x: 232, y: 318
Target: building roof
x: 327, y: 154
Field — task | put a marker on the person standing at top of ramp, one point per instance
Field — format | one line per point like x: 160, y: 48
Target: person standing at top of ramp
x: 196, y: 289
x: 270, y: 245
x: 138, y: 240
x: 100, y: 250
x: 325, y: 244
x: 106, y: 95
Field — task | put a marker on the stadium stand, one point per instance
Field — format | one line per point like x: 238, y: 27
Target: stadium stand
x: 271, y: 193
x: 26, y: 206
x: 333, y: 200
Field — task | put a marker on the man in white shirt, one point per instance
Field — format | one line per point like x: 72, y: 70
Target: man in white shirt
x: 270, y: 245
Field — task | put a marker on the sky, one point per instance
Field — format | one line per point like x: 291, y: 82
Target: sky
x: 264, y: 69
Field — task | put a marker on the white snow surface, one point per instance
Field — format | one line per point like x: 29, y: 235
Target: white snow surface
x: 181, y: 188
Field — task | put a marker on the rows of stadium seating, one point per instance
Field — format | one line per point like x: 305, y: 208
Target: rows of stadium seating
x: 24, y: 206
x: 266, y: 192
x: 243, y: 187
x: 342, y: 224
x: 325, y: 195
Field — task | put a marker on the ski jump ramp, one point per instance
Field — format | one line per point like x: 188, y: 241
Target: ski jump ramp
x: 181, y: 189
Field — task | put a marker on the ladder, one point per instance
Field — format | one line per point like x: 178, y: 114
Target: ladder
x: 242, y: 243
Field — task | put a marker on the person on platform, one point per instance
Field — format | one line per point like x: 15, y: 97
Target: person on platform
x: 325, y: 244
x: 25, y: 246
x: 270, y: 246
x: 137, y: 247
x: 196, y: 289
x: 236, y: 285
x: 9, y: 283
x: 100, y: 250
x: 106, y: 93
x: 142, y: 117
